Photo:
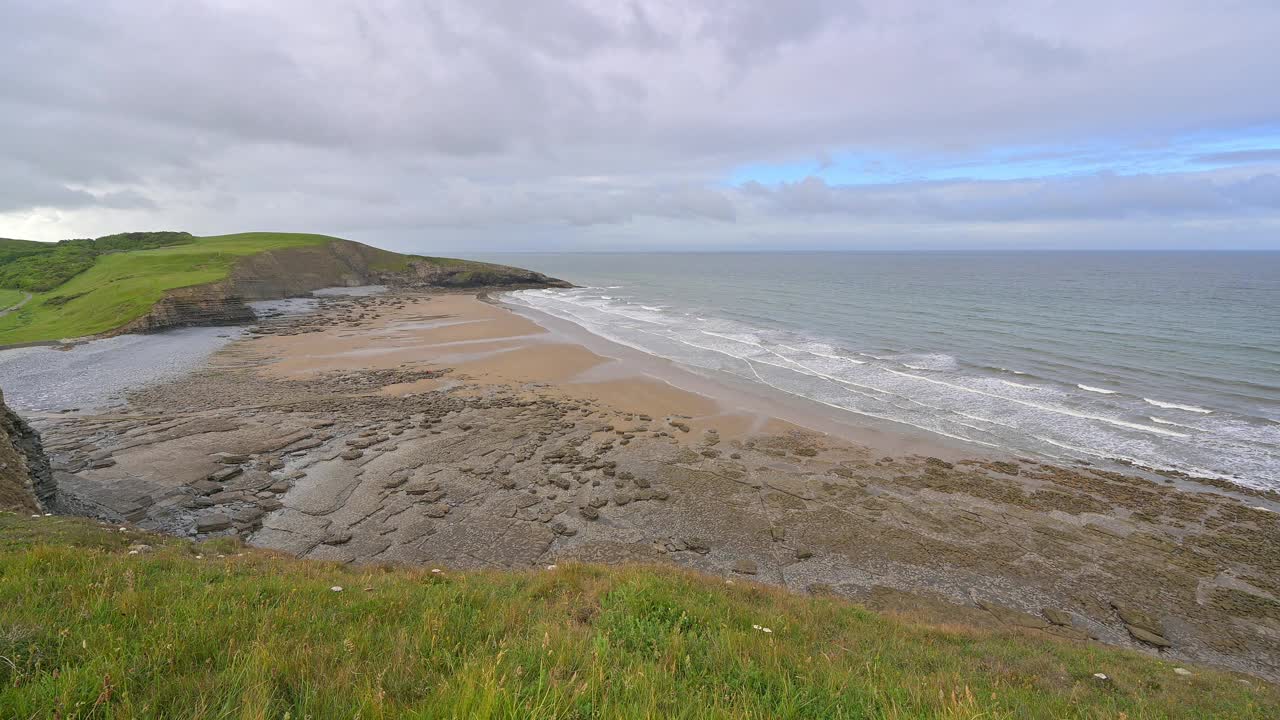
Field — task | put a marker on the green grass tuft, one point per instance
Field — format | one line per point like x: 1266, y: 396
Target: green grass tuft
x: 218, y: 631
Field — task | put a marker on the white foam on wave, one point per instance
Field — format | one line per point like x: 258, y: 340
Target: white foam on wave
x: 1029, y: 417
x: 1162, y: 421
x: 1176, y: 406
x: 829, y: 354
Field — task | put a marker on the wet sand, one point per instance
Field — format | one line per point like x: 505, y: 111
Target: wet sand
x: 451, y: 431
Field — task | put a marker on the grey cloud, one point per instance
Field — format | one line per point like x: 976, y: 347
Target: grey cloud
x: 1090, y: 197
x: 601, y: 114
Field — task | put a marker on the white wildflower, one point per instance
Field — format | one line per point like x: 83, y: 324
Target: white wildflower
x: 336, y: 588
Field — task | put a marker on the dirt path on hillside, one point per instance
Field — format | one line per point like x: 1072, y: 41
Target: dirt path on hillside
x: 11, y: 308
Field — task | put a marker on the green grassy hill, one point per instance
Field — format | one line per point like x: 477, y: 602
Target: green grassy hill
x: 82, y: 287
x: 89, y: 629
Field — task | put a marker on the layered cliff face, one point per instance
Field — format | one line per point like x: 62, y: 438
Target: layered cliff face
x: 202, y: 305
x: 26, y: 481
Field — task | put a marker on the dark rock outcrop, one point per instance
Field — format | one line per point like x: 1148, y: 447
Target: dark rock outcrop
x: 26, y: 480
x: 202, y: 305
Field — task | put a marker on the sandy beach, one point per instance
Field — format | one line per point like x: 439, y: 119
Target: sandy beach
x: 448, y: 430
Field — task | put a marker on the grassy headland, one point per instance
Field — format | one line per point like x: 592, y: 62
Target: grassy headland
x: 82, y: 287
x: 85, y: 287
x: 90, y: 629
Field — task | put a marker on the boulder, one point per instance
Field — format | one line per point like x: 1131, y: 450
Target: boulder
x: 212, y: 523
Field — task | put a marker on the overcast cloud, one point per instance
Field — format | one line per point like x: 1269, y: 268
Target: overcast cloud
x: 621, y: 124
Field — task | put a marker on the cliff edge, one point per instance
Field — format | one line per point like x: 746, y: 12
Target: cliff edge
x: 26, y: 480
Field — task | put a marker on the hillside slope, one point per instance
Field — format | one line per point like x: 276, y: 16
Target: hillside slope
x: 101, y: 622
x: 149, y: 281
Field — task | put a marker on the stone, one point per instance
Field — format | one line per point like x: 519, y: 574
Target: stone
x: 352, y: 454
x: 1139, y: 619
x: 212, y: 523
x: 205, y: 487
x: 1147, y: 636
x: 803, y: 553
x: 232, y: 459
x: 698, y: 545
x: 745, y: 567
x: 778, y: 534
x: 1057, y: 617
x: 248, y: 516
x: 101, y: 464
x: 339, y: 537
x: 589, y: 512
x: 435, y: 510
x: 225, y: 473
x: 621, y: 498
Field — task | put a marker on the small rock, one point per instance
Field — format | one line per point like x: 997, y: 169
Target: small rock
x: 225, y: 473
x: 352, y: 454
x: 698, y: 545
x: 340, y: 537
x: 745, y: 567
x: 1147, y: 636
x: 1181, y: 671
x: 435, y: 510
x: 212, y: 523
x: 1057, y: 617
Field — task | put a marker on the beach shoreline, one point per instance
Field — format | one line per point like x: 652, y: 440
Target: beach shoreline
x: 442, y: 429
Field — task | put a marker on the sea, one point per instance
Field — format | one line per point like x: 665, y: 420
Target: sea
x: 1168, y: 360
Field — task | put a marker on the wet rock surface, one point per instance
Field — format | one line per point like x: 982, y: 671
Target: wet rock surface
x: 467, y: 475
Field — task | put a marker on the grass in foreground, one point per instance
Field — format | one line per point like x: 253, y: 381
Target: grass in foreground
x: 120, y: 286
x: 217, y: 631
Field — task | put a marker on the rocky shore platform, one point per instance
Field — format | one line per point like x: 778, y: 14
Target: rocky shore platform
x: 444, y: 431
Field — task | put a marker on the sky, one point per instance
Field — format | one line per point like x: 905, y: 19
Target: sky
x: 492, y: 125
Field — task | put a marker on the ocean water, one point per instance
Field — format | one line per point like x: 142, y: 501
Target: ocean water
x: 1169, y: 360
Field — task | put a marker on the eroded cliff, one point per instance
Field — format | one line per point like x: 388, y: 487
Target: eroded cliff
x: 26, y: 481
